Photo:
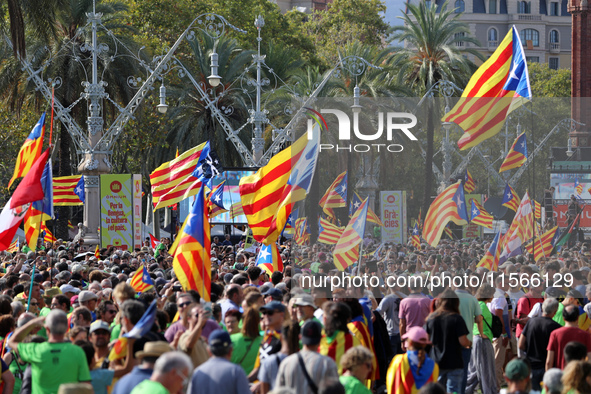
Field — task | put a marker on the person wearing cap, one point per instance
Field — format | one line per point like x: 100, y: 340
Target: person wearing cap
x: 306, y: 369
x: 69, y: 290
x: 88, y: 299
x: 559, y: 338
x: 219, y: 374
x: 53, y: 362
x: 423, y: 369
x: 305, y: 308
x: 171, y: 373
x: 272, y: 294
x: 535, y: 337
x: 517, y: 376
x: 143, y: 371
x: 99, y: 336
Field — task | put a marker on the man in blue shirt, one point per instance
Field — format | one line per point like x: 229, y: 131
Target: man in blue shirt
x: 148, y: 357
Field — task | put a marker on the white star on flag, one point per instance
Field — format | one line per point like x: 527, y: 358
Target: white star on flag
x: 264, y: 254
x: 509, y: 196
x: 356, y: 205
x: 475, y: 211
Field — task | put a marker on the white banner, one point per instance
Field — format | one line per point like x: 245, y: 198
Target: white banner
x: 393, y: 215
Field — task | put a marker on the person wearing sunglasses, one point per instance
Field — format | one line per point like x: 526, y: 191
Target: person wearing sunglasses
x: 184, y: 301
x: 273, y: 318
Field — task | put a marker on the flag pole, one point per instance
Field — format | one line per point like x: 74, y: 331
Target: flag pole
x: 31, y: 287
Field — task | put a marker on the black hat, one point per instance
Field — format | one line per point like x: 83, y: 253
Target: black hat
x: 311, y: 333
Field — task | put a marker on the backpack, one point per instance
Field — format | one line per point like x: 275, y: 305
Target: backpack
x: 496, y: 327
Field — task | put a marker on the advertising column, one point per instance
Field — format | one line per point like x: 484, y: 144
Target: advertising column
x: 116, y: 211
x: 393, y: 215
x: 137, y: 211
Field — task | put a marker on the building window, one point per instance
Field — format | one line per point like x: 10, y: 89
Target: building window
x: 492, y: 6
x: 493, y: 36
x: 524, y: 7
x: 554, y: 37
x: 460, y: 6
x: 458, y: 37
x: 554, y: 8
x: 553, y: 63
x: 530, y: 35
x: 428, y: 3
x: 532, y: 59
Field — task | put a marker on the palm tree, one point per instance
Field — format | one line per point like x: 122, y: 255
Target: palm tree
x: 433, y: 37
x: 34, y: 16
x: 68, y: 61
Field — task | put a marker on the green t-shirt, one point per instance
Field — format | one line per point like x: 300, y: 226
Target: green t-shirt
x: 245, y: 351
x: 18, y: 373
x: 558, y: 316
x: 115, y: 331
x: 44, y: 311
x: 486, y: 318
x: 150, y: 387
x: 353, y: 385
x: 54, y: 364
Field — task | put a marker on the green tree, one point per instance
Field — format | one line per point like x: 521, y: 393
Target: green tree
x: 431, y: 54
x: 342, y: 23
x: 546, y: 82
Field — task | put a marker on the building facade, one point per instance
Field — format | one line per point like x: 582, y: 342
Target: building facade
x: 544, y: 26
x: 306, y: 6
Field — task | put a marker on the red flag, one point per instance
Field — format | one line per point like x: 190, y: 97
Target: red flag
x: 153, y: 241
x: 30, y: 188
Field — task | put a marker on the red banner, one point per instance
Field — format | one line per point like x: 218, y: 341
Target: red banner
x: 561, y: 212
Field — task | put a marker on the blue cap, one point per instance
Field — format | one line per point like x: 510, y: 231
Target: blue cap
x: 220, y: 339
x: 275, y: 293
x: 273, y: 306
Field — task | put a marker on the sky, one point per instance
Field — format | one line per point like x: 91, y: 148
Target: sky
x: 393, y: 10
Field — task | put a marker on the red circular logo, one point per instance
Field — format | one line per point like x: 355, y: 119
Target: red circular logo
x: 391, y: 199
x: 116, y: 186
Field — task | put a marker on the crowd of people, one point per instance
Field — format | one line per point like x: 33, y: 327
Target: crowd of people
x: 523, y: 328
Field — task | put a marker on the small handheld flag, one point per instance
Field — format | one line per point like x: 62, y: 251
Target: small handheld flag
x: 578, y: 187
x: 141, y: 280
x: 517, y: 155
x: 416, y: 238
x: 469, y: 184
x: 510, y: 199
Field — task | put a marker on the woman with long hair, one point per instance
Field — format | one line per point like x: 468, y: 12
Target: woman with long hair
x: 337, y: 338
x: 246, y: 343
x: 448, y: 332
x: 481, y: 369
x: 576, y: 378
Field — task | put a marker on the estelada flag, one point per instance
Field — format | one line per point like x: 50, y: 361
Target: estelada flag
x: 192, y: 258
x: 517, y: 155
x: 510, y: 199
x: 30, y: 150
x: 441, y: 211
x: 497, y: 88
x: 141, y: 280
x: 269, y: 259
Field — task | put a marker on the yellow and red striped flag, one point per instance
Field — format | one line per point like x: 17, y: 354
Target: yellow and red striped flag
x: 192, y: 258
x: 236, y: 210
x: 64, y: 190
x: 174, y: 174
x: 543, y: 244
x: 497, y: 88
x: 479, y: 215
x: 537, y: 210
x: 442, y: 210
x: 517, y: 155
x: 469, y: 184
x: 578, y: 187
x: 372, y: 217
x: 510, y: 199
x: 14, y: 246
x: 336, y: 195
x: 448, y: 232
x: 361, y: 332
x: 302, y: 235
x: 141, y: 280
x: 268, y: 195
x: 415, y: 240
x: 269, y: 259
x: 97, y: 252
x: 30, y: 151
x: 329, y: 233
x: 337, y: 345
x: 520, y: 231
x: 48, y: 236
x: 346, y: 251
x: 490, y: 260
